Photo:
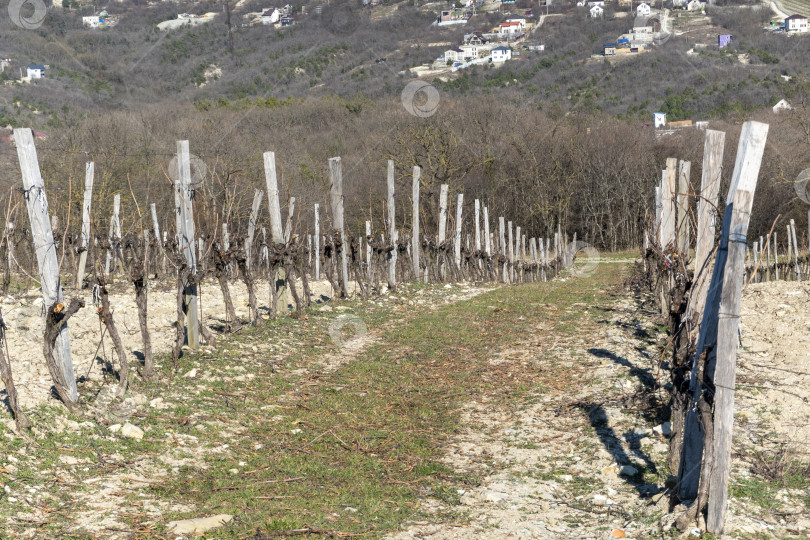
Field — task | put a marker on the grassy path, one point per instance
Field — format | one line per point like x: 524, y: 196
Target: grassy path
x: 259, y: 430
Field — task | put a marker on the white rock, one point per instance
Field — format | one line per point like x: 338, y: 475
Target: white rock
x: 131, y: 432
x: 115, y: 428
x: 68, y: 460
x: 495, y: 496
x: 191, y: 374
x: 156, y: 403
x: 664, y: 430
x: 198, y: 525
x: 628, y: 470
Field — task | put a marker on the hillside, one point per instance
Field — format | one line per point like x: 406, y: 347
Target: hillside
x: 346, y: 50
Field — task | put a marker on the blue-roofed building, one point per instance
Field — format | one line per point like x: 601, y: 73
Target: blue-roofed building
x: 35, y: 71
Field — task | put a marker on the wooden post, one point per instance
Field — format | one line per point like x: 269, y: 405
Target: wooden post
x: 336, y: 199
x: 317, y: 243
x: 47, y: 261
x: 276, y: 230
x: 478, y: 229
x: 776, y: 254
x: 114, y: 236
x: 707, y: 217
x: 789, y: 245
x: 442, y: 222
x: 682, y: 231
x: 89, y: 170
x: 391, y: 226
x: 185, y: 211
x: 746, y: 172
x: 669, y: 178
x: 254, y: 218
x: 659, y: 209
x: 487, y: 238
x: 795, y: 250
x: 415, y: 243
x: 511, y: 253
x: 717, y: 342
x: 457, y: 235
x: 502, y: 247
x: 369, y: 269
x: 156, y: 228
x: 288, y: 227
x: 768, y: 246
x: 274, y: 206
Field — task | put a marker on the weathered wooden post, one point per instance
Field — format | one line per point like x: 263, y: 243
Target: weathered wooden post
x: 511, y: 254
x: 709, y: 188
x: 336, y: 200
x: 391, y: 226
x: 415, y: 243
x: 89, y: 170
x: 251, y: 232
x: 776, y: 254
x: 478, y: 233
x: 276, y: 230
x: 669, y: 178
x: 682, y: 230
x: 487, y: 239
x: 502, y: 248
x: 185, y: 212
x: 795, y: 250
x: 715, y: 356
x: 516, y: 276
x: 746, y: 172
x: 369, y: 268
x: 288, y: 227
x: 47, y: 261
x: 442, y: 224
x: 114, y: 236
x: 457, y: 235
x: 317, y: 242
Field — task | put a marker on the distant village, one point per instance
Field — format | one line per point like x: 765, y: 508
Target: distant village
x: 512, y: 38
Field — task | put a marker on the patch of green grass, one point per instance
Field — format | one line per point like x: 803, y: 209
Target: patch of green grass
x: 349, y: 450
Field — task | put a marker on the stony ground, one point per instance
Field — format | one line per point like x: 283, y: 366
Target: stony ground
x: 561, y: 435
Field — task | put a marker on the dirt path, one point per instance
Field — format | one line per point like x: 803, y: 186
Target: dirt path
x: 574, y: 459
x: 583, y: 454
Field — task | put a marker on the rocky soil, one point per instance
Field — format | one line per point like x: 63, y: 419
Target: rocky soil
x: 585, y: 456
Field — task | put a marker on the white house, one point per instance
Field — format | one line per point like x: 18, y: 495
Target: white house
x: 35, y: 71
x: 783, y: 105
x: 643, y: 10
x: 659, y: 119
x: 501, y: 54
x: 453, y: 55
x: 271, y: 16
x: 512, y: 26
x: 796, y: 23
x: 599, y: 3
x: 694, y: 5
x: 469, y: 51
x: 597, y: 12
x: 92, y: 21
